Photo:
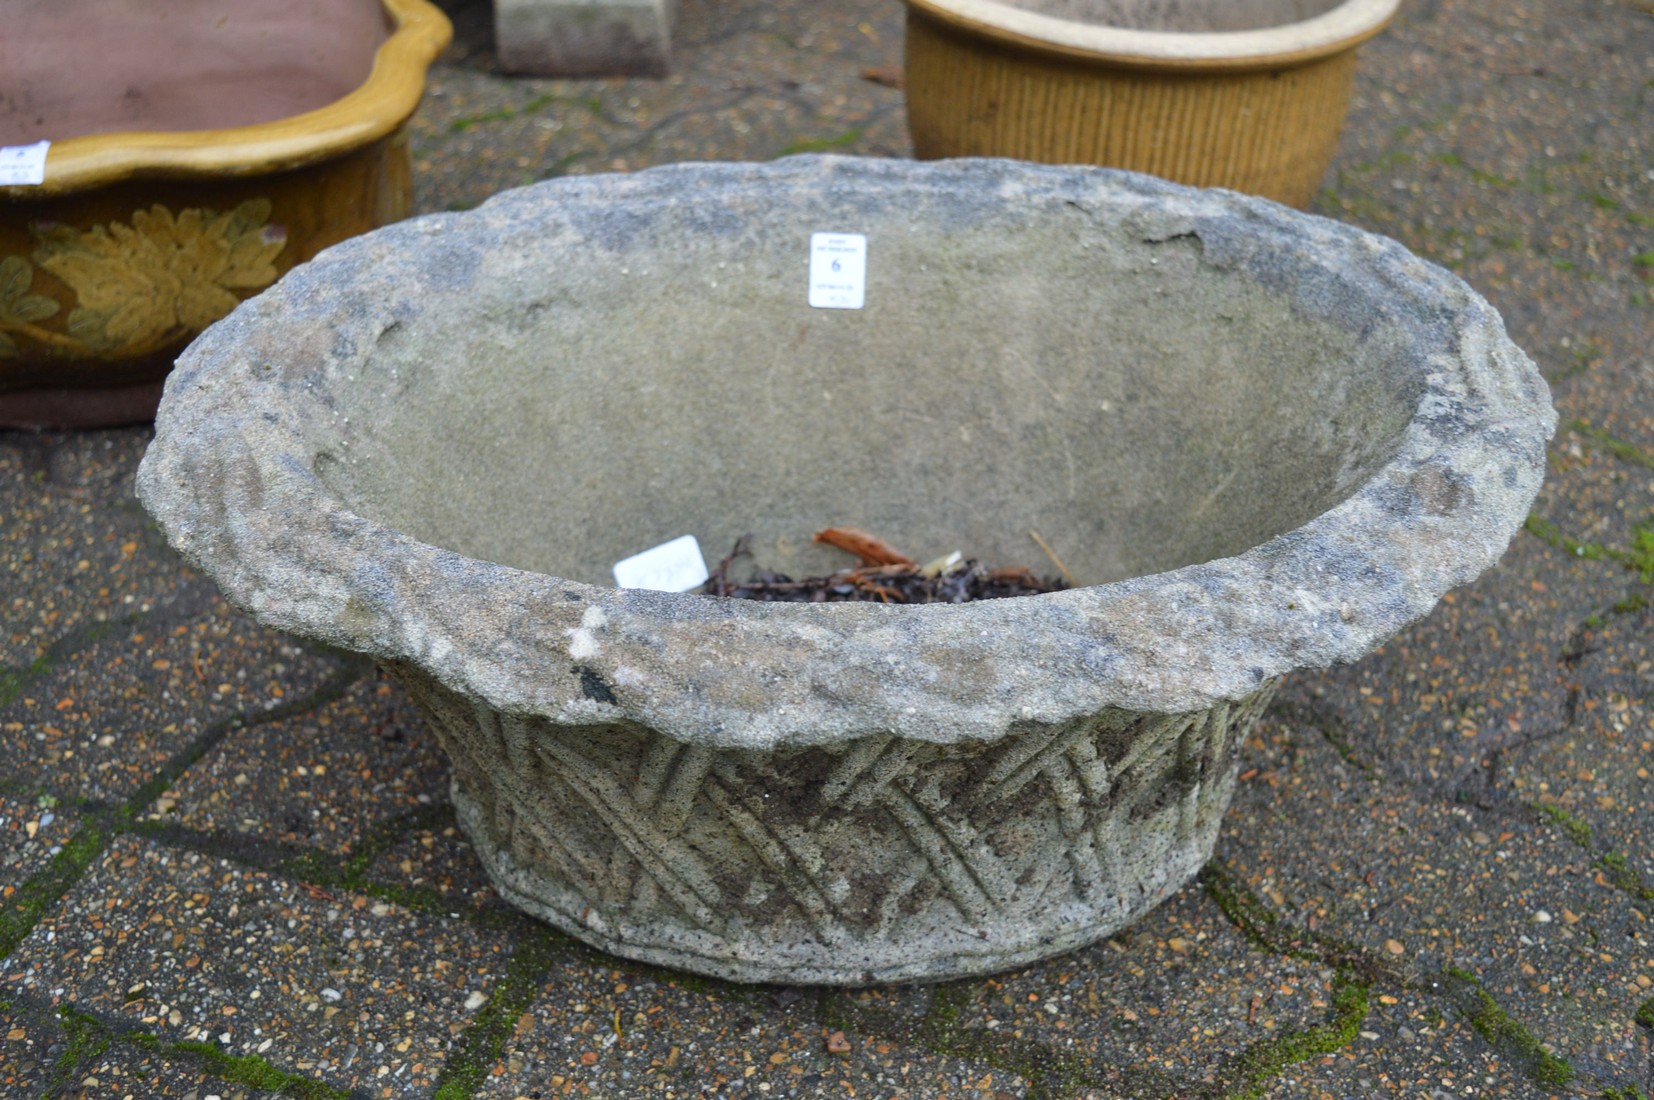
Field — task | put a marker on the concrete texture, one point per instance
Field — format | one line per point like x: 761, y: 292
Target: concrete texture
x: 1348, y: 426
x: 1437, y: 873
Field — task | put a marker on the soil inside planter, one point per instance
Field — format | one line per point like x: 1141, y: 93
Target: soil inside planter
x: 953, y: 579
x: 69, y: 69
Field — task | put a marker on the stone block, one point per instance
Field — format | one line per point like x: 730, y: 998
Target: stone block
x: 585, y: 37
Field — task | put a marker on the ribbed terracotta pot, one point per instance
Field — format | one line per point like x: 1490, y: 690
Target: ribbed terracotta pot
x: 198, y: 149
x: 1244, y: 94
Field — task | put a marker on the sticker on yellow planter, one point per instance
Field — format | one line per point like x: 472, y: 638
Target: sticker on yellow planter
x: 139, y: 286
x: 23, y: 165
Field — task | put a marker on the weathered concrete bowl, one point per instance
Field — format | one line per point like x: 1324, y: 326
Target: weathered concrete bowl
x: 1264, y: 441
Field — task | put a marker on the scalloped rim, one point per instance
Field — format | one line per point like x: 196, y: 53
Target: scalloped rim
x: 1343, y: 28
x: 381, y: 104
x: 1329, y: 591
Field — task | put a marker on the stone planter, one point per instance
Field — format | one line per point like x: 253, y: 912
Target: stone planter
x: 199, y: 148
x: 1247, y: 94
x: 1264, y: 441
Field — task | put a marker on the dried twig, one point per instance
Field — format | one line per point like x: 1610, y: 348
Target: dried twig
x: 1052, y: 554
x: 871, y: 549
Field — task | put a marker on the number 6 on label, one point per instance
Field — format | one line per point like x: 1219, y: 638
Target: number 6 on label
x: 838, y: 270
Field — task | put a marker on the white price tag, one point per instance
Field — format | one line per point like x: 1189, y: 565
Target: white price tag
x: 838, y: 270
x: 675, y: 566
x: 23, y: 164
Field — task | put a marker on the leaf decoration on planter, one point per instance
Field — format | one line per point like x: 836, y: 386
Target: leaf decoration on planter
x: 19, y: 310
x: 142, y: 286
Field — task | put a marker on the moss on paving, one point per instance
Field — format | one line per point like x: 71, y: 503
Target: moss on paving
x: 1576, y: 829
x: 505, y: 114
x: 1266, y: 931
x: 1641, y: 557
x: 822, y: 145
x: 1507, y: 1036
x: 14, y: 679
x: 33, y: 898
x: 1626, y: 452
x: 1330, y: 728
x: 1254, y: 1069
x: 84, y: 1039
x: 1552, y: 535
x: 349, y: 871
x: 1632, y: 604
x: 1615, y: 867
x: 250, y: 1069
x: 1051, y: 1074
x: 23, y: 910
x: 1619, y: 873
x: 1355, y: 971
x: 478, y: 1048
x: 1638, y: 557
x: 325, y: 869
x: 482, y: 1043
x: 87, y: 1038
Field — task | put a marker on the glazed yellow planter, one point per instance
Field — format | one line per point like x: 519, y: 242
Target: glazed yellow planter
x: 198, y: 150
x: 1244, y: 94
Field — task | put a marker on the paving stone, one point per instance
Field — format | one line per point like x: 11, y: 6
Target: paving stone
x: 75, y: 547
x: 1432, y: 886
x: 105, y: 719
x: 1439, y: 704
x: 750, y: 81
x: 1417, y: 1052
x: 44, y: 1055
x: 133, y: 1072
x: 322, y: 778
x: 339, y: 987
x: 1525, y: 170
x: 624, y: 1031
x: 1595, y: 772
x: 33, y: 829
x: 439, y: 859
x: 1390, y: 802
x: 30, y: 1044
x: 1167, y: 1005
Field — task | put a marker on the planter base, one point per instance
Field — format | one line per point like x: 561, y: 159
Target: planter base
x: 65, y: 407
x: 876, y: 860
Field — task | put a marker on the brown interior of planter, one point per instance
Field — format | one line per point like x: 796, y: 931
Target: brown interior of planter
x: 1183, y: 16
x: 69, y: 68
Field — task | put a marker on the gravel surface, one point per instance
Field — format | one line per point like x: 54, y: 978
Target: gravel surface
x: 230, y: 868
